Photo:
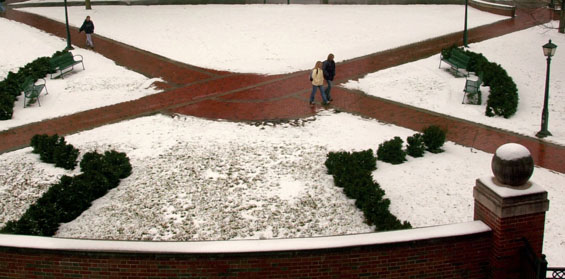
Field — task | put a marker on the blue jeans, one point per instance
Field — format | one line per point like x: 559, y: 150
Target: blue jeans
x: 321, y: 87
x: 329, y: 89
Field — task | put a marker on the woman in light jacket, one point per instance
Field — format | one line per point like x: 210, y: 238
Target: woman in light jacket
x: 317, y: 78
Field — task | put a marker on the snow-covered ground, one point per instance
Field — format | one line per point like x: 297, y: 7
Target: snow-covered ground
x: 421, y: 84
x: 269, y: 39
x: 198, y: 179
x: 102, y: 83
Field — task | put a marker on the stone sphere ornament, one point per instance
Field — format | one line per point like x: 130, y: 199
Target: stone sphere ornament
x: 512, y: 164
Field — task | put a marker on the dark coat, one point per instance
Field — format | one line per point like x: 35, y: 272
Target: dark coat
x: 329, y: 69
x: 87, y: 27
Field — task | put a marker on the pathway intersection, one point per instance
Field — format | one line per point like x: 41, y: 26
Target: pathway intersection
x: 215, y: 94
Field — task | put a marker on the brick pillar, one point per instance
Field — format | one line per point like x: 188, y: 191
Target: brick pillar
x: 513, y: 213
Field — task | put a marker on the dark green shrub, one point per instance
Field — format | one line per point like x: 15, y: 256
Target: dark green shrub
x: 391, y: 151
x: 6, y: 105
x: 434, y: 138
x: 66, y: 200
x: 44, y: 145
x: 503, y: 98
x: 65, y: 155
x: 119, y: 162
x: 416, y: 146
x: 352, y: 172
x: 54, y: 149
x: 343, y: 162
x: 11, y: 86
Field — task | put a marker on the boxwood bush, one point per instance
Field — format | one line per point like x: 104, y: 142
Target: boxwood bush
x: 434, y: 138
x: 55, y: 150
x: 352, y: 172
x: 66, y: 200
x: 391, y: 151
x: 416, y: 146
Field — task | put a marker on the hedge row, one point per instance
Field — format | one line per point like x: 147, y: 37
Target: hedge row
x: 66, y: 200
x: 503, y: 98
x: 11, y: 86
x: 54, y: 149
x: 352, y: 172
x: 432, y: 140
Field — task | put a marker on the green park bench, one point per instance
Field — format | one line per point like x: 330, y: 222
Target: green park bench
x: 64, y: 63
x: 32, y: 90
x: 458, y: 61
x: 472, y: 90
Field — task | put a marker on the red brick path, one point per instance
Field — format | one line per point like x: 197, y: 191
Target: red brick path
x: 245, y: 97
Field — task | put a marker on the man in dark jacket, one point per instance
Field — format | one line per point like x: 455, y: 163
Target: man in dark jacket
x: 329, y: 74
x: 88, y: 28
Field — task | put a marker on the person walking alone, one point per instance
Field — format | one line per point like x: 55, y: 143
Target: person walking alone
x: 329, y: 74
x: 317, y: 78
x: 88, y: 28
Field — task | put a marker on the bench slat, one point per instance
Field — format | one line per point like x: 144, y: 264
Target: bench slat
x: 32, y: 90
x: 65, y: 61
x: 458, y: 60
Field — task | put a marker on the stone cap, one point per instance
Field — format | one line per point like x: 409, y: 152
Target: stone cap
x: 507, y: 201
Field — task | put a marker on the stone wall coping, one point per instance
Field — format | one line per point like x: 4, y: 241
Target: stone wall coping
x: 243, y: 246
x: 493, y: 4
x: 506, y: 191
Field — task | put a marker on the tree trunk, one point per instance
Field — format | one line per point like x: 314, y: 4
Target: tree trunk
x: 87, y: 4
x: 562, y: 22
x: 562, y: 19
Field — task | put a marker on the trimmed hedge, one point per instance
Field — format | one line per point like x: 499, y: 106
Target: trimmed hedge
x: 391, y: 151
x: 416, y: 146
x: 10, y: 87
x: 66, y: 200
x: 434, y: 138
x: 352, y: 172
x: 503, y: 98
x: 54, y: 149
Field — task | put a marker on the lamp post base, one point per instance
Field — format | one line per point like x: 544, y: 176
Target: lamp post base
x: 69, y: 48
x: 543, y: 134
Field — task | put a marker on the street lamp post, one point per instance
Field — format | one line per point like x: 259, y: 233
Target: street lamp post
x: 549, y: 51
x: 465, y: 29
x: 69, y: 47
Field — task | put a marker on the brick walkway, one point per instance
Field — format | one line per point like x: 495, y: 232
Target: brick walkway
x: 245, y: 97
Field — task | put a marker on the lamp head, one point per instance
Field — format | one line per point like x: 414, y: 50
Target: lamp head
x: 549, y: 49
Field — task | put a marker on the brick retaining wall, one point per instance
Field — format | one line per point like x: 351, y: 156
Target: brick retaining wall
x: 464, y: 255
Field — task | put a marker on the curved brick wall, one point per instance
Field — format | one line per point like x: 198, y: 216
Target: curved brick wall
x: 499, y: 9
x: 451, y: 251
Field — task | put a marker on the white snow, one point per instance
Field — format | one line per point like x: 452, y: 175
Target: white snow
x: 421, y: 84
x: 244, y: 246
x: 512, y: 151
x: 506, y: 191
x: 269, y: 39
x: 197, y: 179
x: 102, y: 83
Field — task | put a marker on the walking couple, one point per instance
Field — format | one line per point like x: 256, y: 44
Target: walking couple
x: 323, y: 71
